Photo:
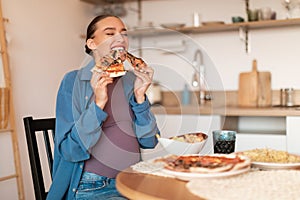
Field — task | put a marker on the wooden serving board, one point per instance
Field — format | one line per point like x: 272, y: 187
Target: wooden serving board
x: 255, y: 88
x: 248, y: 87
x: 264, y: 98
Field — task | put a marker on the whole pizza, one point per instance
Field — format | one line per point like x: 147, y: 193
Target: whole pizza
x: 213, y: 163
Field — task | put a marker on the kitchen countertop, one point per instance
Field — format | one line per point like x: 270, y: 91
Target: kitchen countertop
x: 224, y: 104
x: 209, y: 109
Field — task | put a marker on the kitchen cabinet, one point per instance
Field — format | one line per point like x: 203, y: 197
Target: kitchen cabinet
x: 293, y: 134
x: 279, y: 133
x: 271, y: 127
x: 246, y: 141
x: 260, y: 132
x: 287, y: 140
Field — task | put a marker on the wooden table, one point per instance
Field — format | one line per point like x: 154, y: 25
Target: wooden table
x: 134, y: 185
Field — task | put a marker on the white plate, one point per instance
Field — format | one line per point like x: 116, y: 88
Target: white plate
x: 265, y: 165
x: 187, y: 176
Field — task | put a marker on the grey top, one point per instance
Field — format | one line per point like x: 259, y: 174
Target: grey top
x: 118, y: 147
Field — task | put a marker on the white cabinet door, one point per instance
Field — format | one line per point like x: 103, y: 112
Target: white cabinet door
x: 261, y: 132
x: 293, y: 134
x: 247, y: 141
x: 171, y: 125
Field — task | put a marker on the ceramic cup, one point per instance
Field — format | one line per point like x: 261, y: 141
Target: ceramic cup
x: 253, y: 15
x: 265, y: 13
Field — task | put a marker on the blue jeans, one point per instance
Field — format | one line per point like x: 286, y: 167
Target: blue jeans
x: 95, y: 187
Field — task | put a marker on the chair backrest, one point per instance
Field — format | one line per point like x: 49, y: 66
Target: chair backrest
x: 33, y: 127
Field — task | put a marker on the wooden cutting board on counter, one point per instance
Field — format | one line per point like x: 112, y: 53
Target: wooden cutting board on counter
x: 255, y: 88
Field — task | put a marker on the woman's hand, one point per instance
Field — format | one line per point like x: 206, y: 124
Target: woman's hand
x: 143, y: 80
x: 99, y: 83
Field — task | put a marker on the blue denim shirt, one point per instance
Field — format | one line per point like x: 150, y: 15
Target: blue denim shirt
x: 78, y: 128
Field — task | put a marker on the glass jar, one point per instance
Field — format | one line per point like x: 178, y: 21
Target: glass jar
x: 289, y: 96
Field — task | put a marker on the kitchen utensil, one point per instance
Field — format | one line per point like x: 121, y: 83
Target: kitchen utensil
x: 255, y: 88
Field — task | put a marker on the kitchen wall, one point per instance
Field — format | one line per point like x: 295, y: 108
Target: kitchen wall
x: 44, y: 43
x: 276, y: 49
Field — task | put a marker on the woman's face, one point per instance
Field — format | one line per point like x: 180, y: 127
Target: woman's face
x: 111, y: 34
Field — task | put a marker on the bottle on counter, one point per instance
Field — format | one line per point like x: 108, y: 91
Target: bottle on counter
x: 282, y: 97
x: 185, y: 97
x: 289, y: 96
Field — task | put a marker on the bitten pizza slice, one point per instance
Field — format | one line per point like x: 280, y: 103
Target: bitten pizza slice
x: 112, y: 63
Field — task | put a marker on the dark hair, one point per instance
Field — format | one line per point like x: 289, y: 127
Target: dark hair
x: 92, y: 28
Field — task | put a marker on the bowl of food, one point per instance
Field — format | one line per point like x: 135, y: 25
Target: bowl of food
x: 189, y: 143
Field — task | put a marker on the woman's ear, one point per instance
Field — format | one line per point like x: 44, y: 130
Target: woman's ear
x: 91, y: 44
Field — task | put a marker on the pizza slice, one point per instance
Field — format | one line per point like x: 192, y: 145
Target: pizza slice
x: 112, y: 63
x: 137, y: 63
x: 116, y: 68
x: 214, y: 163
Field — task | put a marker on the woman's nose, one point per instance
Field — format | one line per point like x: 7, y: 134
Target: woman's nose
x: 119, y: 38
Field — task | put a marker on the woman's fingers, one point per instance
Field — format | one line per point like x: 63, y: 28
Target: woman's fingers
x: 145, y: 73
x: 100, y: 80
x: 95, y: 78
x: 104, y: 81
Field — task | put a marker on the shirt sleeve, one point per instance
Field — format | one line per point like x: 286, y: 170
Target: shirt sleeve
x: 144, y: 123
x: 77, y: 128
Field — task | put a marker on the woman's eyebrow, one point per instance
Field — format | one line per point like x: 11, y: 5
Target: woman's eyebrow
x: 113, y: 29
x: 109, y: 29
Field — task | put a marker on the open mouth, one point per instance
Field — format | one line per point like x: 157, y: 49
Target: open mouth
x: 118, y: 48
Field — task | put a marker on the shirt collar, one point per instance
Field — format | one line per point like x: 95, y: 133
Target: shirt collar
x: 85, y: 72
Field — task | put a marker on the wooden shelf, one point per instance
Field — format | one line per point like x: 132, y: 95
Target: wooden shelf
x: 249, y: 25
x: 217, y: 27
x: 96, y: 2
x: 101, y: 1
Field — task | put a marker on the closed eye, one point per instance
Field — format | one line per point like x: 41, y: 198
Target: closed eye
x: 111, y: 34
x: 124, y: 34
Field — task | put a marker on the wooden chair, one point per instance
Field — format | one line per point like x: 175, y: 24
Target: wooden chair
x: 34, y: 127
